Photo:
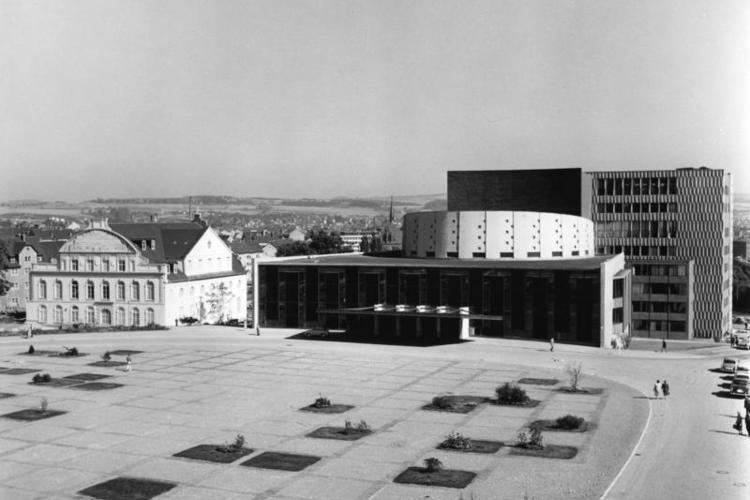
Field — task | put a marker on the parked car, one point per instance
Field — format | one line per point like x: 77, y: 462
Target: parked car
x: 729, y: 365
x: 317, y: 332
x: 740, y: 384
x: 743, y: 342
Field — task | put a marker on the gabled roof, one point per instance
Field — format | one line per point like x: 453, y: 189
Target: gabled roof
x: 243, y: 247
x: 49, y: 249
x: 173, y: 239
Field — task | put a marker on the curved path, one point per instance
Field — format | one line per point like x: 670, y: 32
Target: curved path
x: 687, y: 451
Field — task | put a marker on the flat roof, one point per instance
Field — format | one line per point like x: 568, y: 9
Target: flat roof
x: 582, y: 263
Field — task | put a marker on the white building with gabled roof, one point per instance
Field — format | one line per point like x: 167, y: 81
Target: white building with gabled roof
x: 139, y: 275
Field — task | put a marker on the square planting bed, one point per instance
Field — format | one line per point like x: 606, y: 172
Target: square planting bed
x: 38, y: 352
x: 531, y: 403
x: 127, y: 488
x: 327, y: 409
x: 4, y: 395
x: 106, y: 364
x: 20, y: 371
x: 446, y: 478
x: 477, y: 446
x: 124, y: 352
x: 592, y: 391
x: 341, y: 433
x: 87, y: 377
x: 213, y: 453
x: 539, y: 381
x: 66, y: 355
x: 551, y: 425
x: 58, y: 382
x: 455, y: 404
x: 31, y: 415
x: 96, y: 386
x: 281, y: 461
x: 549, y: 451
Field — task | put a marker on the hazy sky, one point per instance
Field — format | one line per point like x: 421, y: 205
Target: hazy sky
x: 321, y: 98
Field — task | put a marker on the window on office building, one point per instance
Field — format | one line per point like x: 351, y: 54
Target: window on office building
x: 90, y: 290
x: 42, y: 289
x: 74, y: 265
x: 58, y: 291
x: 120, y: 290
x: 90, y: 265
x: 74, y: 316
x: 617, y: 315
x: 617, y: 289
x: 105, y: 290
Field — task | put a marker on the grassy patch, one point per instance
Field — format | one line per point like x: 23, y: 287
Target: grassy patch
x: 549, y: 451
x: 4, y: 395
x: 592, y: 391
x: 531, y: 403
x: 124, y: 352
x: 446, y: 478
x: 87, y: 376
x: 539, y: 381
x: 20, y: 371
x: 554, y: 425
x: 214, y: 453
x: 96, y: 386
x: 477, y: 446
x: 334, y: 408
x: 281, y: 461
x: 33, y: 414
x: 341, y: 433
x: 107, y: 363
x: 127, y: 488
x: 455, y: 404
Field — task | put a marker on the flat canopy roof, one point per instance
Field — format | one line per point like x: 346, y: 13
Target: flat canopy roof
x: 358, y: 260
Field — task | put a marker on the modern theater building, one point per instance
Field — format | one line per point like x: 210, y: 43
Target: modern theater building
x: 515, y: 274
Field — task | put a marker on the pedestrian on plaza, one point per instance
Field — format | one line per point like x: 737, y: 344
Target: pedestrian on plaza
x: 747, y: 423
x: 129, y: 362
x: 747, y: 403
x: 664, y: 345
x: 656, y: 389
x: 738, y: 423
x: 665, y: 389
x: 552, y: 344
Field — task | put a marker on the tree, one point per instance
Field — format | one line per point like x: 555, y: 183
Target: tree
x: 322, y: 242
x: 217, y: 302
x: 4, y: 259
x: 293, y: 248
x: 364, y: 244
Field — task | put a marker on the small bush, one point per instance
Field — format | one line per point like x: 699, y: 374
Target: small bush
x: 43, y: 405
x: 569, y: 422
x: 533, y: 440
x: 237, y: 445
x: 31, y: 349
x: 106, y: 356
x: 188, y: 320
x: 511, y: 394
x: 362, y: 426
x: 457, y: 441
x: 432, y: 464
x: 41, y: 378
x: 70, y: 351
x: 322, y: 402
x: 442, y: 402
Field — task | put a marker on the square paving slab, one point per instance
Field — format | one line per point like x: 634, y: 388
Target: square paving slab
x: 87, y: 376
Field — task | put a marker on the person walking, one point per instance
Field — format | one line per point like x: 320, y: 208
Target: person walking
x: 738, y: 423
x: 663, y: 345
x: 747, y: 423
x: 129, y: 362
x: 665, y: 389
x: 656, y: 390
x: 552, y: 344
x: 747, y: 403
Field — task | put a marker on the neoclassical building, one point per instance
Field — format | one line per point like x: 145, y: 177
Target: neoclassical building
x: 139, y: 275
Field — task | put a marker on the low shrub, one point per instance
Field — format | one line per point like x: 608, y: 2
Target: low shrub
x: 350, y: 428
x: 511, y: 394
x: 41, y: 378
x: 433, y: 464
x: 456, y: 441
x: 106, y: 356
x: 237, y: 445
x: 533, y: 440
x: 442, y: 402
x: 322, y: 402
x: 70, y: 351
x: 569, y: 422
x: 188, y: 320
x: 31, y: 349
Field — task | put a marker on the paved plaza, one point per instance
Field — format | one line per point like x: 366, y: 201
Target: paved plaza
x: 204, y: 385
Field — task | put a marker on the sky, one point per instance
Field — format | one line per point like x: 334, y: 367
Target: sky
x: 288, y: 98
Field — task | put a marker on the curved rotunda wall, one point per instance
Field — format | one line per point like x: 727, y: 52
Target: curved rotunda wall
x: 497, y: 235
